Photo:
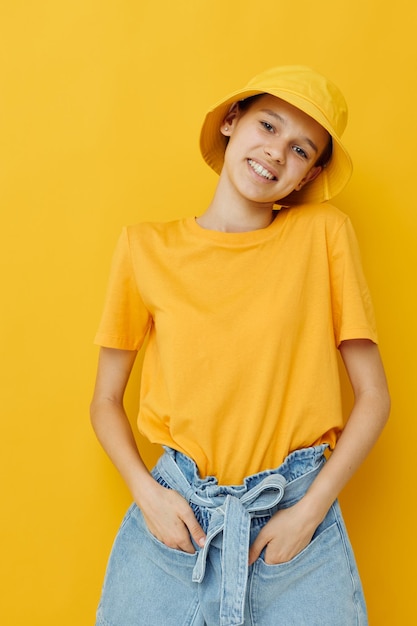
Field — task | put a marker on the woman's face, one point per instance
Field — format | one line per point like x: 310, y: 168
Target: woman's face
x: 272, y: 149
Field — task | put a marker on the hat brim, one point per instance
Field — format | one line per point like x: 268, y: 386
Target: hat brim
x: 328, y: 184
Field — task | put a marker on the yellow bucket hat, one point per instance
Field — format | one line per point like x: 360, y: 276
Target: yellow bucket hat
x: 308, y: 91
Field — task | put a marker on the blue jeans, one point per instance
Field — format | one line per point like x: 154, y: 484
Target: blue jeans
x: 149, y: 584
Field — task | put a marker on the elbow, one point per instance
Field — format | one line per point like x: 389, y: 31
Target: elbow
x: 103, y: 411
x: 94, y: 414
x: 97, y: 411
x: 381, y: 406
x: 386, y: 405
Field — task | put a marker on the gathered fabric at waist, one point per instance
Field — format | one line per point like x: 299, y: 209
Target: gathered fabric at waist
x: 226, y: 513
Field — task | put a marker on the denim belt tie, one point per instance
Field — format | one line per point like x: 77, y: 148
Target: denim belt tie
x: 231, y: 515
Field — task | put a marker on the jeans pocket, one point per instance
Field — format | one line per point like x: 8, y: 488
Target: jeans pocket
x: 146, y: 583
x: 318, y: 587
x: 311, y: 552
x: 166, y: 549
x: 168, y: 559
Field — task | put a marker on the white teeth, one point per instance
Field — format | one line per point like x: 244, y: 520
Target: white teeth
x: 260, y: 170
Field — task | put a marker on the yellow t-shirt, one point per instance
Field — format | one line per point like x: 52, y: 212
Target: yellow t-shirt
x: 241, y: 364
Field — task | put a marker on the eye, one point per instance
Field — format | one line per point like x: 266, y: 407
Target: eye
x: 268, y: 127
x: 300, y: 152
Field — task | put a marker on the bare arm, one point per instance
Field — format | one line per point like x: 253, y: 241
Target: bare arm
x: 290, y: 530
x: 167, y: 514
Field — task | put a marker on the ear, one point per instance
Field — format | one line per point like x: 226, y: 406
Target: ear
x: 230, y: 120
x: 311, y: 175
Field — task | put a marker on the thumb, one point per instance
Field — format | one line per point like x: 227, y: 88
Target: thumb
x: 256, y: 549
x: 195, y: 530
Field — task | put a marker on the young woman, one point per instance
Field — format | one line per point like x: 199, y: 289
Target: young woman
x: 245, y: 307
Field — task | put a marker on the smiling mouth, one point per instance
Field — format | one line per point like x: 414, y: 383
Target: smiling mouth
x: 261, y: 171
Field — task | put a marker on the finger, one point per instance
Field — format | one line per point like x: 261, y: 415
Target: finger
x: 177, y: 537
x: 195, y: 530
x: 185, y: 544
x: 256, y: 549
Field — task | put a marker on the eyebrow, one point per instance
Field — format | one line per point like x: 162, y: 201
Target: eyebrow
x: 284, y: 121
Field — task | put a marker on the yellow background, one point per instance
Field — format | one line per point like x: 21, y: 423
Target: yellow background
x: 101, y: 104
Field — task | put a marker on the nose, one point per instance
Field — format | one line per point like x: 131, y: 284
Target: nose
x: 275, y: 150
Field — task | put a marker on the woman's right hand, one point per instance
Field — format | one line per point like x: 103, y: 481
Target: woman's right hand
x: 167, y: 514
x: 170, y: 518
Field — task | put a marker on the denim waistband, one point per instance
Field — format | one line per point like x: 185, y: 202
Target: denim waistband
x: 232, y: 507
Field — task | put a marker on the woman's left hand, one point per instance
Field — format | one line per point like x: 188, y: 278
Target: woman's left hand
x: 284, y: 536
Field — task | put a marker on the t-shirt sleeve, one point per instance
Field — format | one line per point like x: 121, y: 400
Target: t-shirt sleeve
x: 125, y: 320
x: 353, y: 313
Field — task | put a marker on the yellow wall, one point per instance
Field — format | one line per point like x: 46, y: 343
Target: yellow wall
x: 101, y: 103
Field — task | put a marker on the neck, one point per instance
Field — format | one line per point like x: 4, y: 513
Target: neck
x: 226, y: 213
